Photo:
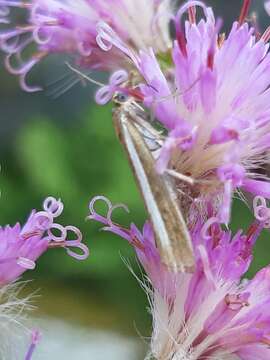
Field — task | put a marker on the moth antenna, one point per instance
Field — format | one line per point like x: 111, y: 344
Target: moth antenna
x: 63, y: 84
x: 84, y: 76
x: 63, y: 87
x: 176, y: 92
x: 173, y: 96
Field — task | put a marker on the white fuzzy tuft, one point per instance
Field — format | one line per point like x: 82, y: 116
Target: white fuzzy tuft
x: 13, y: 313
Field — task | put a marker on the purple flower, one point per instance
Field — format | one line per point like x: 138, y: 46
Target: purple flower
x: 214, y: 103
x: 210, y: 313
x: 86, y: 29
x: 35, y: 339
x: 21, y: 246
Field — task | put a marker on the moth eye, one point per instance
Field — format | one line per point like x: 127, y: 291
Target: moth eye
x: 120, y: 98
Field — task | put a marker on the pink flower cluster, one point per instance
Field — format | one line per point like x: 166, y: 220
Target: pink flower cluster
x: 209, y: 96
x: 214, y: 105
x: 20, y: 247
x: 81, y: 29
x: 212, y: 312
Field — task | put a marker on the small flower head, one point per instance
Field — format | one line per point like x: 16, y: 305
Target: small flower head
x: 214, y: 105
x: 210, y: 313
x: 21, y: 246
x: 86, y: 30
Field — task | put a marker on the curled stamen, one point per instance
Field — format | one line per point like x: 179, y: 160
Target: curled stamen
x: 78, y: 245
x: 26, y: 263
x: 16, y: 46
x: 76, y: 231
x: 39, y: 37
x: 26, y: 87
x: 206, y: 227
x: 53, y: 206
x: 178, y: 17
x: 259, y: 201
x: 11, y: 45
x: 261, y: 211
x: 110, y: 225
x: 190, y: 6
x: 44, y: 220
x: 107, y: 38
x: 177, y: 20
x: 112, y: 208
x: 61, y: 241
x: 105, y: 94
x: 93, y: 214
x: 60, y: 238
x: 20, y: 68
x: 118, y: 77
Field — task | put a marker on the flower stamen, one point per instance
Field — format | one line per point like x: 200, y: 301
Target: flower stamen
x: 244, y: 12
x: 266, y: 35
x: 36, y: 336
x: 192, y: 14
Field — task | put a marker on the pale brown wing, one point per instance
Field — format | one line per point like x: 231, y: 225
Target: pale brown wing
x: 158, y: 191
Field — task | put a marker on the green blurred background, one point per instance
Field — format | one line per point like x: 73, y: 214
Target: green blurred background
x: 66, y: 147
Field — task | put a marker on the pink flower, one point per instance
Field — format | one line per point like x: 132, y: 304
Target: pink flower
x: 86, y: 29
x: 210, y: 313
x: 20, y: 247
x: 215, y: 105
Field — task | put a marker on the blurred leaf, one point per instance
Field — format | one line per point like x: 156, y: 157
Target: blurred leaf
x: 75, y: 164
x: 44, y: 155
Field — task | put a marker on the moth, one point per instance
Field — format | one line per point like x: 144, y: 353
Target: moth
x: 158, y: 191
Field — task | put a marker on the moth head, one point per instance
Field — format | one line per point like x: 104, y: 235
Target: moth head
x: 120, y: 98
